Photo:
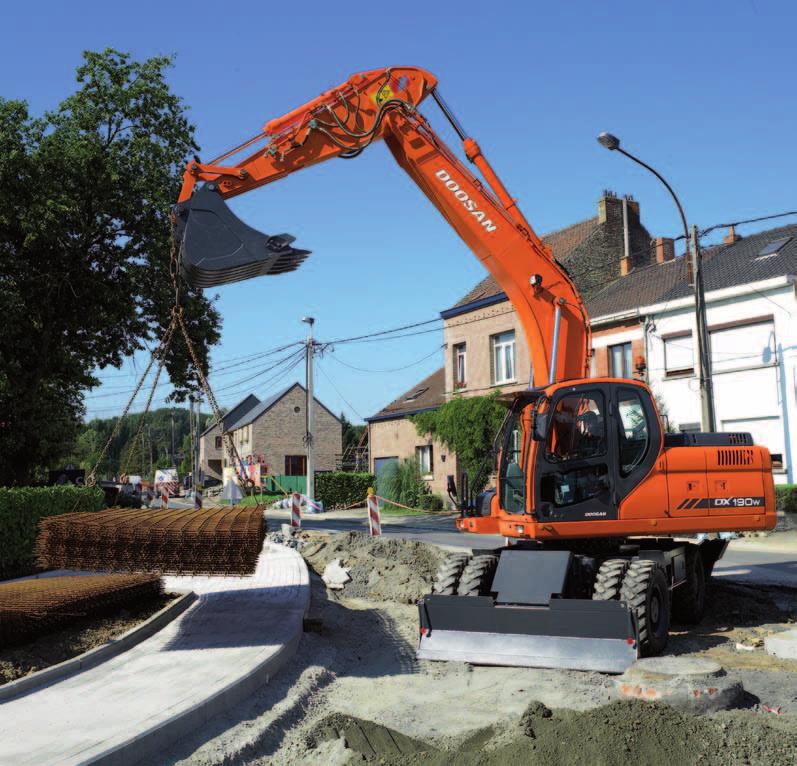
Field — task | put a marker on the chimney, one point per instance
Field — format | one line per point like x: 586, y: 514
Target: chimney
x: 731, y: 236
x: 608, y: 207
x: 665, y: 249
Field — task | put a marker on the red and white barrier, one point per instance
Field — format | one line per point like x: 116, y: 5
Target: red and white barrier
x: 296, y: 510
x: 164, y: 499
x: 374, y: 521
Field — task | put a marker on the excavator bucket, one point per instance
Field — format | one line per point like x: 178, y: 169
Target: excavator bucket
x: 217, y: 248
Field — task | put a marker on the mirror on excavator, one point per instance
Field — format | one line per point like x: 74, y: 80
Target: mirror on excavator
x: 217, y: 248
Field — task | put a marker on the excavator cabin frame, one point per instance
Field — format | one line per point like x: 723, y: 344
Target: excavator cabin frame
x: 590, y: 492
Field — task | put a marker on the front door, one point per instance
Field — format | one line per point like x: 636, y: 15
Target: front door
x: 574, y: 476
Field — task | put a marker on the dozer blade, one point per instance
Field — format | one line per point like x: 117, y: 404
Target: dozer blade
x: 217, y: 248
x: 574, y: 634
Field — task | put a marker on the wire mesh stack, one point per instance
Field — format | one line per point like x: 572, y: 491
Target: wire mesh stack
x: 223, y: 541
x: 30, y: 608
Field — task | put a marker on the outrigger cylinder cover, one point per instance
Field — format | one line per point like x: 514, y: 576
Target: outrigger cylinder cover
x: 216, y: 247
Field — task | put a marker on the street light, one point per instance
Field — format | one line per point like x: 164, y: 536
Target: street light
x: 612, y: 143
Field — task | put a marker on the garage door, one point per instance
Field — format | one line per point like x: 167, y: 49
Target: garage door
x: 381, y: 462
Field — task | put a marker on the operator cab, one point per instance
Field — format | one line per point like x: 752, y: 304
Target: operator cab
x: 586, y: 446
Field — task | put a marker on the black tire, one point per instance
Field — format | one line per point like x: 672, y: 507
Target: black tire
x: 647, y: 594
x: 478, y: 576
x: 609, y: 580
x: 689, y: 599
x: 448, y: 574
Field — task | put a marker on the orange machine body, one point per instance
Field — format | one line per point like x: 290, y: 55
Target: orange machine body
x: 687, y: 490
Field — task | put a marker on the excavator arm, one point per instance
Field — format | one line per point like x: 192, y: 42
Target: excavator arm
x: 343, y: 122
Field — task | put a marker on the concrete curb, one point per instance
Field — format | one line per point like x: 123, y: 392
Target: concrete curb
x: 145, y: 745
x: 99, y: 654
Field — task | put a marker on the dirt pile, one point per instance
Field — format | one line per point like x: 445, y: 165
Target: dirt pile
x: 369, y: 739
x: 381, y: 568
x: 619, y: 733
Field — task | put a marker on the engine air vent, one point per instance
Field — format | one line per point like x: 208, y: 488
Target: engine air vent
x: 734, y: 457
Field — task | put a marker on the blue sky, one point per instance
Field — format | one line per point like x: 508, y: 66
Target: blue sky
x: 703, y: 91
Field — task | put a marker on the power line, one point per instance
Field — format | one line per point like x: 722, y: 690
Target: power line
x: 346, y: 401
x: 383, y: 332
x: 393, y: 369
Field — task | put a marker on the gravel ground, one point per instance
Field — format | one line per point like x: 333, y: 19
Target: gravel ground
x: 355, y: 691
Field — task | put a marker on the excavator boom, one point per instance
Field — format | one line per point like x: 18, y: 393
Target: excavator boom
x: 382, y: 104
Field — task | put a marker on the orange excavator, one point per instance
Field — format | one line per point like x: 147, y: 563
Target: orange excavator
x: 596, y: 502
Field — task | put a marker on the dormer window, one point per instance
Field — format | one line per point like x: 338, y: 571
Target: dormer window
x: 413, y: 396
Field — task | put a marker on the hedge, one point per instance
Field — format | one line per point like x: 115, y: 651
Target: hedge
x: 20, y: 511
x: 337, y: 489
x: 786, y: 497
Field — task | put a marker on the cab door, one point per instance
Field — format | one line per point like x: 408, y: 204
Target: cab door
x: 574, y: 469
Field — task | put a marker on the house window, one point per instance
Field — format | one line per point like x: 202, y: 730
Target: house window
x: 295, y: 465
x: 424, y: 457
x: 503, y: 357
x: 679, y: 356
x: 218, y: 442
x: 459, y: 366
x: 620, y: 362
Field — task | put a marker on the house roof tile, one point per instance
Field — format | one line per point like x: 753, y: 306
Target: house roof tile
x: 723, y: 266
x: 424, y: 395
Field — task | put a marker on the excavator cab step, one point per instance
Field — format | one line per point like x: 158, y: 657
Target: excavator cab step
x: 217, y: 248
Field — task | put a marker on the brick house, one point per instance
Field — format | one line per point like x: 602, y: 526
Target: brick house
x: 271, y: 432
x: 392, y: 435
x: 211, y: 451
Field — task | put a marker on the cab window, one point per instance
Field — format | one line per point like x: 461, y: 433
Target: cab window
x: 578, y: 428
x: 633, y: 431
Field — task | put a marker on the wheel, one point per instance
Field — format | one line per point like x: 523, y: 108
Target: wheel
x: 448, y: 574
x: 477, y: 576
x: 645, y: 591
x: 689, y: 599
x: 609, y: 580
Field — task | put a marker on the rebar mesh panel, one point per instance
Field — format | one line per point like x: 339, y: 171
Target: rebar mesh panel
x: 30, y: 608
x: 223, y: 541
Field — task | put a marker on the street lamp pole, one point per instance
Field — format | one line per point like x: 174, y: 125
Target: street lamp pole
x: 708, y: 419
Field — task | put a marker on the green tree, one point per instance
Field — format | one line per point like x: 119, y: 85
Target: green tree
x: 85, y: 240
x: 350, y: 433
x: 467, y: 426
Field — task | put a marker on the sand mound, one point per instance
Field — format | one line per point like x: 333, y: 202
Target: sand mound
x: 381, y: 568
x: 619, y: 733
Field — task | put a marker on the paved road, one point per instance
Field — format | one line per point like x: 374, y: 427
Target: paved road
x: 739, y: 563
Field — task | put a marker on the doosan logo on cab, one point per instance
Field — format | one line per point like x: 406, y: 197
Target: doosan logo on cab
x: 469, y: 205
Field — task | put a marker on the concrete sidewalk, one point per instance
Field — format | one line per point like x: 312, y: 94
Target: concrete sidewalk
x: 230, y: 641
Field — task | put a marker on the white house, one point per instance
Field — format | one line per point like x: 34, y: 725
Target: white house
x: 752, y: 323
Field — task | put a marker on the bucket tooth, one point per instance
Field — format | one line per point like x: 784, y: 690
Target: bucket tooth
x: 217, y: 248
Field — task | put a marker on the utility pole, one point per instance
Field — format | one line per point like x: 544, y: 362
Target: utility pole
x: 197, y: 479
x: 708, y: 418
x: 172, y: 416
x: 308, y: 437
